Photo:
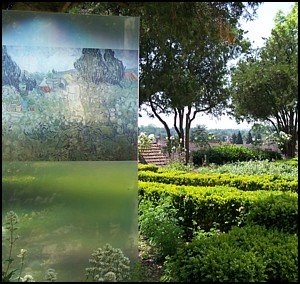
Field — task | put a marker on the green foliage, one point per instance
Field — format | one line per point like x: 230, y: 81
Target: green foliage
x: 284, y: 169
x: 222, y: 207
x: 266, y: 212
x: 10, y: 226
x: 147, y: 167
x: 230, y: 153
x: 265, y: 83
x: 183, y: 66
x: 176, y: 165
x: 158, y: 223
x: 291, y: 162
x: 108, y: 264
x: 246, y: 183
x: 200, y: 136
x: 248, y: 254
x: 9, y: 272
x: 249, y: 139
x: 239, y: 139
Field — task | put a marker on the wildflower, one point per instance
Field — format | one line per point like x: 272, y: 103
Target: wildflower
x: 108, y: 264
x: 241, y: 208
x: 11, y: 218
x: 22, y: 253
x: 110, y: 277
x: 51, y: 275
x: 27, y: 278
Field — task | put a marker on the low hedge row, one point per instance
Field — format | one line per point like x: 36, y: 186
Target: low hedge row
x: 248, y: 254
x: 231, y: 153
x: 148, y: 167
x: 243, y: 182
x: 224, y: 207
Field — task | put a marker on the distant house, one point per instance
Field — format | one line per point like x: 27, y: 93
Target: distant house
x: 44, y: 86
x: 52, y: 84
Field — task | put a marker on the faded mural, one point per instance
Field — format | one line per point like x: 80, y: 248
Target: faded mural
x: 69, y: 104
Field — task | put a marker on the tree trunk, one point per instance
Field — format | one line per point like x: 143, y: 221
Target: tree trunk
x: 290, y: 148
x: 164, y: 124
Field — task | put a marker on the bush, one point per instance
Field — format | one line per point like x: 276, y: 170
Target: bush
x: 245, y: 182
x: 230, y: 153
x: 264, y: 167
x: 159, y: 225
x: 147, y: 167
x: 275, y: 212
x: 224, y: 207
x: 248, y: 254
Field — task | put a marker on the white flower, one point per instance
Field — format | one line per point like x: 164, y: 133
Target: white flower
x: 22, y: 253
x: 110, y: 277
x: 27, y: 278
x: 151, y: 137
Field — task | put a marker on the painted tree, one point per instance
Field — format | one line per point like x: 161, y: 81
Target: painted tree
x: 265, y: 84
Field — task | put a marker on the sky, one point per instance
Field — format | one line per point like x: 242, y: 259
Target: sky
x: 44, y: 59
x: 257, y: 29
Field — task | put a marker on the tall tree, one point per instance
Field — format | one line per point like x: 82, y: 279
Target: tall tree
x: 249, y: 139
x: 265, y: 84
x: 239, y: 139
x: 233, y: 138
x: 184, y: 49
x: 200, y: 136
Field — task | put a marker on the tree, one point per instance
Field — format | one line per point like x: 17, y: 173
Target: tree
x: 249, y: 139
x: 200, y: 136
x: 184, y: 70
x: 258, y: 140
x: 239, y: 139
x: 233, y: 138
x: 184, y: 49
x: 265, y: 83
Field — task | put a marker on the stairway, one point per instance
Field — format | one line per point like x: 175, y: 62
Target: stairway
x: 153, y: 156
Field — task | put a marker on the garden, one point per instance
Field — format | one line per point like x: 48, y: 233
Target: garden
x: 233, y: 222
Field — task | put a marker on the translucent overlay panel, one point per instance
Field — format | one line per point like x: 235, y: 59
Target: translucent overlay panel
x: 69, y: 138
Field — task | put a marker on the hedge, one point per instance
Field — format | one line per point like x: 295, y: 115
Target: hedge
x: 243, y: 182
x: 231, y: 153
x: 147, y: 167
x: 248, y: 254
x: 224, y: 207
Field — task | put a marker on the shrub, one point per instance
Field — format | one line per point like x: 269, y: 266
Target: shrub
x: 280, y: 212
x: 231, y: 153
x: 245, y: 182
x: 224, y: 207
x: 248, y: 254
x: 158, y: 224
x: 147, y: 167
x: 108, y: 264
x: 264, y: 167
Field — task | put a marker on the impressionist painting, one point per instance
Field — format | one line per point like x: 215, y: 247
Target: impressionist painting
x: 69, y: 150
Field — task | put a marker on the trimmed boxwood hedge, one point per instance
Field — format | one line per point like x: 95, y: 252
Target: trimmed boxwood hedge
x: 243, y: 182
x: 224, y: 206
x: 248, y: 254
x: 147, y: 167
